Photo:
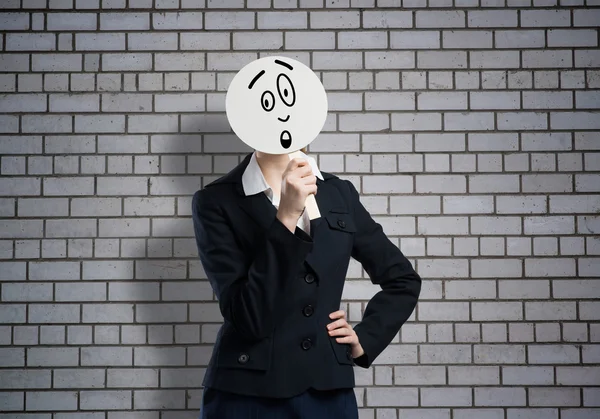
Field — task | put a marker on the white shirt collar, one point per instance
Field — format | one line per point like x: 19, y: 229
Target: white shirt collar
x: 253, y: 180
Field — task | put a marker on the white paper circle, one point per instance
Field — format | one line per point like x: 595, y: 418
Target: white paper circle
x: 276, y: 105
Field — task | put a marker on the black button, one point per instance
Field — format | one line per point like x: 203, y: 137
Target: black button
x: 243, y: 358
x: 309, y: 278
x: 341, y: 223
x: 308, y: 310
x: 306, y: 344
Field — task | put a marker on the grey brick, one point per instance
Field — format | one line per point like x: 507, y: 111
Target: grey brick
x: 279, y: 20
x: 14, y: 21
x: 124, y: 21
x: 26, y: 292
x: 462, y: 39
x: 492, y: 18
x: 159, y: 356
x: 124, y: 227
x: 587, y: 100
x: 547, y: 59
x: 104, y: 356
x: 336, y: 60
x: 51, y: 400
x: 74, y: 103
x: 12, y: 313
x: 107, y: 313
x: 587, y: 17
x: 256, y: 41
x: 127, y: 62
x: 525, y: 375
x: 499, y: 396
x: 442, y: 101
x: 9, y: 124
x: 553, y: 354
x: 389, y: 60
x: 179, y: 61
x: 494, y: 100
x: 468, y: 121
x: 24, y: 379
x: 137, y: 378
x: 84, y: 207
x: 153, y: 123
x: 54, y: 313
x: 387, y: 19
x: 100, y: 41
x: 545, y: 396
x: 71, y: 21
x: 499, y: 354
x: 21, y: 144
x: 69, y: 186
x: 78, y: 378
x: 21, y: 228
x: 545, y: 18
x: 387, y: 396
x: 152, y: 41
x: 126, y: 102
x: 444, y: 354
x: 78, y: 144
x: 573, y: 120
x: 80, y: 292
x: 30, y: 42
x: 189, y: 20
x: 445, y: 396
x: 440, y: 19
x: 100, y: 123
x: 23, y: 103
x: 56, y: 62
x: 362, y: 40
x: 12, y: 357
x: 14, y: 62
x: 47, y: 124
x: 107, y: 270
x: 494, y: 59
x: 414, y: 40
x: 206, y: 40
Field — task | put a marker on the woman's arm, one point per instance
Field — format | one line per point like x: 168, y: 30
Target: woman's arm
x: 389, y: 268
x: 247, y: 294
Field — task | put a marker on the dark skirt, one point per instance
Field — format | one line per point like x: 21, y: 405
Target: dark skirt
x: 312, y: 404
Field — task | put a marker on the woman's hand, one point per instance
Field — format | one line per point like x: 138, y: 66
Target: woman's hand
x: 341, y: 328
x: 298, y: 181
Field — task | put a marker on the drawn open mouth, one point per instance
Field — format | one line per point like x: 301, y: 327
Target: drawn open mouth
x: 284, y: 120
x: 286, y: 139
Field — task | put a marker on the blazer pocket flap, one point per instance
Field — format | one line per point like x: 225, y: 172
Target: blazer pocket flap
x: 341, y: 222
x: 239, y: 353
x: 342, y: 352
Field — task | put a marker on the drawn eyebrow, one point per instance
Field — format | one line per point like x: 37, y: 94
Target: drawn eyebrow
x: 255, y: 79
x: 284, y: 64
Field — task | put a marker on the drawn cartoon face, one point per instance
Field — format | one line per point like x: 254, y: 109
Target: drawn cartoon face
x: 276, y: 105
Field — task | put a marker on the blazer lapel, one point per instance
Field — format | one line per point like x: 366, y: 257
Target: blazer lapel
x: 262, y: 211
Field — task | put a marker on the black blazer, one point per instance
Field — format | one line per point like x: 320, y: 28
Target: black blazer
x: 276, y: 288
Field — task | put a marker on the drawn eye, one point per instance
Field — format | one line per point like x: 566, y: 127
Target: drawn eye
x: 267, y: 100
x: 286, y: 90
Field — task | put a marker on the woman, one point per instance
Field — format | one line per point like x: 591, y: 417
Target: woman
x: 285, y: 349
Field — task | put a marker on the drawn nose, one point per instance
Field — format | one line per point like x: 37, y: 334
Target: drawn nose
x: 284, y: 120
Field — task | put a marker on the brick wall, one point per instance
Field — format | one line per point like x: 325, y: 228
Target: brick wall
x: 471, y: 129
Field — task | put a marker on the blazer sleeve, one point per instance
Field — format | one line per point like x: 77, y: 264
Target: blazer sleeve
x: 247, y: 292
x: 387, y: 267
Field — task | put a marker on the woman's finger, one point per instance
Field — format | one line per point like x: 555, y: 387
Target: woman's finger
x: 342, y: 331
x: 336, y: 324
x: 345, y: 339
x: 337, y: 314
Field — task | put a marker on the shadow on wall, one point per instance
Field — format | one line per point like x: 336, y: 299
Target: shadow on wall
x: 176, y: 302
